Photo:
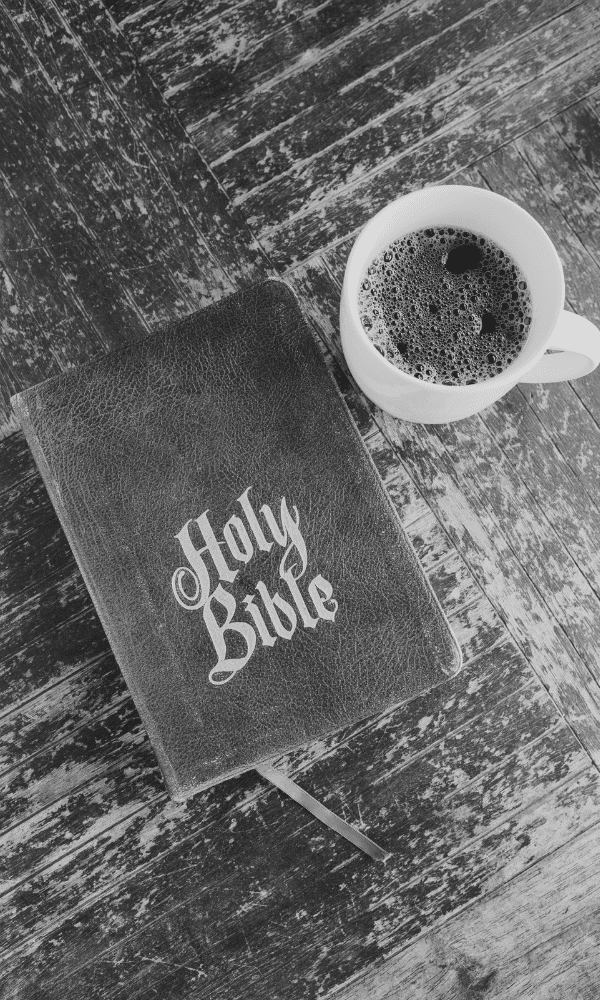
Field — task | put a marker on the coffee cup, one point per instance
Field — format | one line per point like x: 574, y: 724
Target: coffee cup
x: 573, y: 342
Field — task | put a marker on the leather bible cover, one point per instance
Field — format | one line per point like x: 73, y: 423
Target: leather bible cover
x: 246, y: 562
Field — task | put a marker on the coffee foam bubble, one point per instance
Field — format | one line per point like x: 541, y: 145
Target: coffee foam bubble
x: 446, y: 305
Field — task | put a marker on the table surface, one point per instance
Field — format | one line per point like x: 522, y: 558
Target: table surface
x: 154, y: 157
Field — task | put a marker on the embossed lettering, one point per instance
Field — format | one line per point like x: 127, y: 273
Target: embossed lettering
x: 321, y: 592
x: 214, y: 548
x: 191, y: 585
x: 287, y: 573
x: 226, y: 667
x: 191, y: 602
x: 241, y: 547
x: 257, y: 618
x: 274, y: 605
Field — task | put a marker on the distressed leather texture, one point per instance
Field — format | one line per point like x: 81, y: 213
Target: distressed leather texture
x: 141, y: 442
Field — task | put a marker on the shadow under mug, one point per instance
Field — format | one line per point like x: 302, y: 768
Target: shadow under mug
x: 552, y: 328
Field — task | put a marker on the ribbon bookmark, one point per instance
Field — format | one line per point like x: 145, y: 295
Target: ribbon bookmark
x: 322, y: 812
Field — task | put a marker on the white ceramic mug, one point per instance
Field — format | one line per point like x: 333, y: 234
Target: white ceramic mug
x: 552, y: 328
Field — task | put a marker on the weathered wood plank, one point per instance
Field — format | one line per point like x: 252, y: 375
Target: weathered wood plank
x: 148, y: 22
x: 333, y: 83
x: 25, y: 506
x: 28, y: 351
x: 511, y: 170
x: 381, y: 141
x: 514, y: 583
x: 44, y: 608
x: 535, y: 937
x: 156, y: 129
x: 425, y: 56
x: 108, y: 210
x: 65, y: 644
x: 61, y: 767
x: 202, y: 61
x: 445, y: 767
x: 453, y: 878
x: 39, y: 552
x: 528, y: 443
x: 535, y: 173
x: 132, y: 789
x: 454, y: 146
x: 569, y: 191
x: 511, y: 513
x: 406, y: 734
x: 30, y: 269
x: 390, y: 911
x: 100, y: 195
x: 52, y: 718
x: 16, y: 463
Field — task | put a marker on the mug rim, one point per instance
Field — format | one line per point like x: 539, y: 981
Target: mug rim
x: 503, y: 378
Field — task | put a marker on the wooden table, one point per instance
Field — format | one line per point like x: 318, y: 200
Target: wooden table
x: 156, y: 156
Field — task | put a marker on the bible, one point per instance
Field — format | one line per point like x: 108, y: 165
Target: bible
x: 246, y: 562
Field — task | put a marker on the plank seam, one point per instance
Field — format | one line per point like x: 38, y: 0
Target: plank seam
x: 267, y: 791
x: 239, y: 201
x: 177, y: 88
x: 122, y: 700
x: 448, y: 918
x: 351, y: 236
x: 431, y: 747
x: 65, y: 679
x: 583, y: 768
x: 292, y: 70
x: 305, y: 112
x: 108, y: 90
x: 137, y: 807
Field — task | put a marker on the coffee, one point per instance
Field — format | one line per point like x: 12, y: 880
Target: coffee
x: 446, y: 305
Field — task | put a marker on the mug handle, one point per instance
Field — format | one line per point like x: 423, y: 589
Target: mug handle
x: 578, y: 343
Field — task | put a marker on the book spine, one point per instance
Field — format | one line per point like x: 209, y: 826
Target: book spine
x: 21, y: 409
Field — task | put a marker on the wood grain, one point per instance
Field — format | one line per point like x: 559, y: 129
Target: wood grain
x: 68, y: 639
x: 452, y: 766
x: 482, y: 788
x: 107, y: 209
x: 459, y: 143
x: 343, y: 129
x: 536, y: 937
x: 208, y: 60
x: 404, y: 97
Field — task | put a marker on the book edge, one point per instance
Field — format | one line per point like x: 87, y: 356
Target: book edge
x: 380, y: 486
x: 21, y: 409
x: 20, y: 404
